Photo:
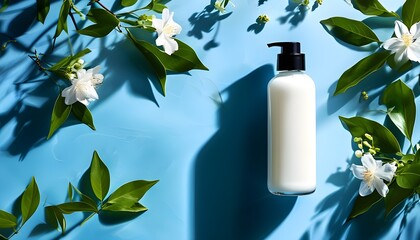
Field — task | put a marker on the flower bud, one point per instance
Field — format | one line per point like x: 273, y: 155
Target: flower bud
x: 367, y: 144
x: 368, y: 136
x: 360, y: 146
x: 357, y: 139
x: 372, y: 151
x: 358, y: 153
x: 80, y: 61
x: 262, y: 19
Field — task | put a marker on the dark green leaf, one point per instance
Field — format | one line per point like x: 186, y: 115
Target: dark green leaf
x: 383, y: 138
x: 129, y: 207
x: 156, y: 64
x: 409, y: 178
x: 183, y: 60
x: 417, y: 158
x: 373, y: 7
x: 350, y: 31
x: 4, y: 6
x: 43, y: 7
x: 7, y: 220
x: 59, y: 115
x: 398, y: 66
x: 30, y: 200
x: 55, y: 218
x: 411, y: 12
x: 352, y: 76
x: 395, y: 196
x: 399, y: 99
x: 71, y: 207
x: 127, y: 3
x: 130, y: 192
x: 105, y: 22
x: 62, y: 18
x: 363, y: 204
x: 82, y: 113
x: 99, y: 177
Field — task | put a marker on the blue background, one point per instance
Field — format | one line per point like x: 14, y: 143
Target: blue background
x: 205, y: 141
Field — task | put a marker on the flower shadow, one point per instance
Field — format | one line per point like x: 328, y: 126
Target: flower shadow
x: 230, y: 194
x: 205, y: 22
x: 296, y: 13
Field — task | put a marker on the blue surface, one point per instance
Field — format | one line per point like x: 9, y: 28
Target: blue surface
x: 205, y: 141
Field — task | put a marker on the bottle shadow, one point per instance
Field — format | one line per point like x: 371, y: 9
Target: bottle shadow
x: 230, y: 174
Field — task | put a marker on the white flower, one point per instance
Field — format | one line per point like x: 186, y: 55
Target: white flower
x: 373, y: 173
x: 405, y: 44
x: 82, y: 87
x: 166, y: 28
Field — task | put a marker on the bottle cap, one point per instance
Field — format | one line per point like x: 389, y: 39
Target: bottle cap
x: 290, y: 57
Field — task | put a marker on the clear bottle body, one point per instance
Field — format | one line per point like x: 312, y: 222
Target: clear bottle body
x: 291, y: 134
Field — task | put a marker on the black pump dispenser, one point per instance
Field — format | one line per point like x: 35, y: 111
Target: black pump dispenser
x: 290, y: 57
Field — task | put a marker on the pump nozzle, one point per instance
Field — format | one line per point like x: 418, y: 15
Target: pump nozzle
x: 290, y: 57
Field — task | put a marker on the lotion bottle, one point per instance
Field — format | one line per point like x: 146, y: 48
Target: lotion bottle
x: 291, y: 125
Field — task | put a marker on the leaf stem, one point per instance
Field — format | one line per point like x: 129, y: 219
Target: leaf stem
x: 89, y: 217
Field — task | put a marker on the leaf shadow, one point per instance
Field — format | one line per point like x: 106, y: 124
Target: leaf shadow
x: 256, y: 27
x: 296, y: 13
x: 231, y: 200
x: 114, y: 218
x: 205, y: 22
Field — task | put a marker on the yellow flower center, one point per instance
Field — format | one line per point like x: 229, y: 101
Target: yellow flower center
x: 169, y: 30
x: 407, y: 39
x: 368, y: 177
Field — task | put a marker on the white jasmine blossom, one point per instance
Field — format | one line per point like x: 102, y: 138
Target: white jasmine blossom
x: 166, y: 29
x: 372, y: 174
x: 82, y: 87
x: 405, y: 44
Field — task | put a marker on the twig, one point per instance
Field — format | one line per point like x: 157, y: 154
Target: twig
x: 73, y: 20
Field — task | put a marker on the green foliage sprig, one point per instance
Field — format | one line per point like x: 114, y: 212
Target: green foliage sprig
x: 399, y: 100
x: 28, y: 205
x: 358, y: 34
x: 123, y: 199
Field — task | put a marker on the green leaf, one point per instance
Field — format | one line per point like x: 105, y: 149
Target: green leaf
x: 156, y: 64
x: 398, y: 66
x: 82, y: 113
x: 71, y: 207
x: 84, y: 198
x: 99, y: 177
x: 411, y: 12
x: 130, y: 192
x: 127, y: 3
x: 69, y: 60
x: 363, y: 204
x: 183, y: 60
x: 105, y: 22
x: 373, y: 7
x: 395, y: 196
x: 384, y: 139
x: 62, y: 18
x: 409, y: 178
x: 59, y: 115
x: 352, y: 76
x: 350, y: 31
x: 70, y: 192
x: 399, y: 99
x: 55, y: 218
x: 30, y: 200
x: 7, y: 220
x: 43, y: 7
x: 5, y: 5
x: 155, y: 6
x: 129, y: 207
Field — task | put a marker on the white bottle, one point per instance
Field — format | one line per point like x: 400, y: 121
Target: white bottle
x: 291, y: 125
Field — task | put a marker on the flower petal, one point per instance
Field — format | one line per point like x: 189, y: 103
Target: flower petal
x: 158, y: 25
x: 386, y: 172
x: 380, y: 186
x: 414, y: 51
x: 400, y: 29
x: 358, y: 171
x: 166, y: 15
x: 401, y: 56
x: 393, y: 44
x: 81, y: 73
x: 415, y: 30
x: 69, y: 95
x: 365, y: 189
x: 369, y: 162
x: 170, y: 46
